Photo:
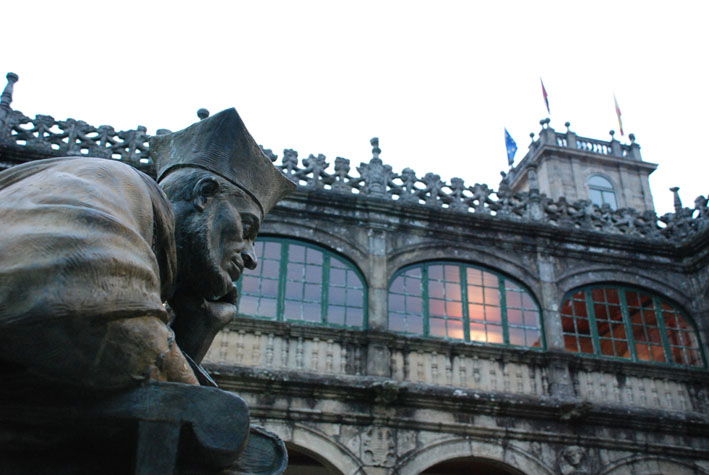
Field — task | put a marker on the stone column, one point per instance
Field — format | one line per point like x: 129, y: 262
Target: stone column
x: 378, y: 355
x: 560, y: 382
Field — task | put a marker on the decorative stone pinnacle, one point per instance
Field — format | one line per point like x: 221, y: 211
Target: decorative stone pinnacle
x: 567, y: 124
x: 202, y: 113
x: 612, y: 133
x: 677, y: 199
x: 375, y: 147
x: 631, y: 136
x: 6, y: 97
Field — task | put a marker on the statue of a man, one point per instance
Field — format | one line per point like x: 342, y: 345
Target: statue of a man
x: 92, y: 252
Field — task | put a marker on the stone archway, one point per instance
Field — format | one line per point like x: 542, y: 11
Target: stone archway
x: 302, y: 461
x: 311, y: 441
x: 472, y: 466
x: 507, y: 457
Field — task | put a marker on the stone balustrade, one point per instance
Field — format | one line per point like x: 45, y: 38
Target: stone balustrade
x: 469, y: 369
x: 643, y: 392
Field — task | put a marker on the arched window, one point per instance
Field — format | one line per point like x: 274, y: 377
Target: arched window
x: 463, y: 302
x: 298, y: 281
x: 628, y: 323
x: 600, y: 191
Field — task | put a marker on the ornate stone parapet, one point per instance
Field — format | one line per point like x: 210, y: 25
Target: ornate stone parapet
x: 44, y: 136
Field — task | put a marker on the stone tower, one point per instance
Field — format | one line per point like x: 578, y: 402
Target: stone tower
x: 578, y: 168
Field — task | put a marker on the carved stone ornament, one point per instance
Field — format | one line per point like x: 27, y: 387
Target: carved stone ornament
x: 44, y: 136
x: 112, y: 288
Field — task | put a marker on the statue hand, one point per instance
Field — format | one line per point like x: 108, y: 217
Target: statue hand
x: 197, y: 322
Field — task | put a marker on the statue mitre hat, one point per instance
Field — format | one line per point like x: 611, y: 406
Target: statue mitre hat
x: 222, y: 145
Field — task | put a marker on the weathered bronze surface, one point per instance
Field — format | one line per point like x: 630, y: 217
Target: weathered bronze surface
x: 109, y: 280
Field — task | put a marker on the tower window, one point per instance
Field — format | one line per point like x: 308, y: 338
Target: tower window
x: 601, y: 191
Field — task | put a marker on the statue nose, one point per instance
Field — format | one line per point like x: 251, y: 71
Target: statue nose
x: 249, y: 257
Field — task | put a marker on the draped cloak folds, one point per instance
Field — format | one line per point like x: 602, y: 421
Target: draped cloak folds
x: 83, y: 242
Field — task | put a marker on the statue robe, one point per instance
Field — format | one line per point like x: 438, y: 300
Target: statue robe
x: 84, y: 243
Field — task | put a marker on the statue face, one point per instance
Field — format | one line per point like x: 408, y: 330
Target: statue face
x: 215, y: 238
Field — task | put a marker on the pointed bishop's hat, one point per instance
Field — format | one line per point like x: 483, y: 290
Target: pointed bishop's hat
x: 222, y: 145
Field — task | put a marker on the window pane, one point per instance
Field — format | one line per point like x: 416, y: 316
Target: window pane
x: 437, y: 327
x: 336, y: 315
x: 414, y: 305
x: 435, y: 272
x: 453, y: 291
x: 514, y: 299
x: 477, y: 332
x: 271, y: 250
x: 267, y: 308
x: 397, y: 322
x: 516, y: 336
x: 436, y: 290
x: 296, y: 253
x: 493, y: 314
x: 355, y: 298
x: 355, y: 317
x: 248, y: 305
x: 492, y: 296
x: 571, y: 343
x: 514, y: 316
x: 476, y: 312
x: 337, y: 297
x: 532, y: 338
x: 455, y: 329
x: 599, y: 181
x: 595, y: 197
x: 475, y: 294
x: 475, y: 276
x: 494, y: 334
x: 609, y: 198
x: 338, y: 277
x: 452, y: 273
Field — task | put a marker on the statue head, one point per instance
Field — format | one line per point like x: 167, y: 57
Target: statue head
x: 573, y: 455
x: 221, y: 185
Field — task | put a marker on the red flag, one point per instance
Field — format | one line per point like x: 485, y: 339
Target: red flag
x: 617, y: 112
x: 546, y: 96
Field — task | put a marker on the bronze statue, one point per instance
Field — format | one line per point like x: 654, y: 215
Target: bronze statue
x: 94, y: 254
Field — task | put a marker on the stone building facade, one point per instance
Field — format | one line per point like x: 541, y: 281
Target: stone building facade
x: 400, y: 325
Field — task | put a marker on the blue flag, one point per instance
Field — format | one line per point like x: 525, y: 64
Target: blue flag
x: 511, y: 147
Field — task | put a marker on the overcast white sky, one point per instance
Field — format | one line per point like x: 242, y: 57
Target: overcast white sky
x: 436, y: 81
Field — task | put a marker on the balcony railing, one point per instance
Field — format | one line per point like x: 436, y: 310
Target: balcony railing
x: 465, y: 367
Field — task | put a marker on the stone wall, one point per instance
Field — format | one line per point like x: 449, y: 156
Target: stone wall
x: 377, y: 402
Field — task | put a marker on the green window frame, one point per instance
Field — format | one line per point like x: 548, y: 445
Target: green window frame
x: 296, y: 281
x: 463, y: 302
x: 628, y: 323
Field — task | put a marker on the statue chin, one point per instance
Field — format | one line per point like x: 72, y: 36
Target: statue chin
x: 222, y: 310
